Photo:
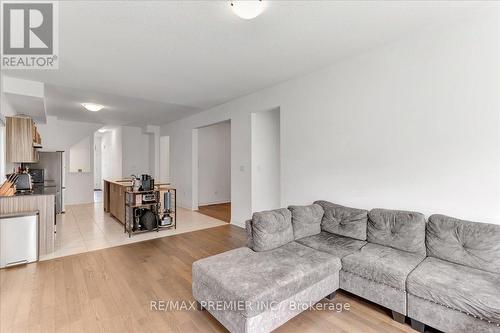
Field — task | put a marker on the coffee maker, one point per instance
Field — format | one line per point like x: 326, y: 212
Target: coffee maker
x: 148, y: 183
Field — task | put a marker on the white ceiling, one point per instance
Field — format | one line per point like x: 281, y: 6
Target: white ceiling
x: 198, y: 54
x: 65, y: 103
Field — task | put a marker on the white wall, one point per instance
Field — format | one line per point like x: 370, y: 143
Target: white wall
x: 214, y: 164
x: 79, y: 156
x: 165, y: 159
x: 97, y: 162
x: 266, y: 155
x: 136, y: 151
x: 79, y: 185
x: 151, y: 154
x: 154, y: 150
x: 5, y: 108
x: 111, y: 158
x: 411, y: 125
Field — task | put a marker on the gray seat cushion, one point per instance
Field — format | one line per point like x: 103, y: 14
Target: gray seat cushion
x: 462, y: 288
x: 254, y: 278
x: 399, y: 229
x: 339, y: 246
x: 467, y: 243
x: 382, y: 264
x: 271, y: 229
x: 344, y: 221
x: 306, y: 220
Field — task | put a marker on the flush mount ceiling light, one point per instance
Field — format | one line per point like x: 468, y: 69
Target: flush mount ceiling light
x: 248, y: 9
x: 102, y: 130
x: 92, y: 107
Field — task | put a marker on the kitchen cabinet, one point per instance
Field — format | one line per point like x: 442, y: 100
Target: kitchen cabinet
x: 44, y: 205
x: 117, y: 200
x: 22, y: 140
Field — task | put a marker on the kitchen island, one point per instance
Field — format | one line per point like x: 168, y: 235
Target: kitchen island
x: 114, y: 196
x: 41, y: 201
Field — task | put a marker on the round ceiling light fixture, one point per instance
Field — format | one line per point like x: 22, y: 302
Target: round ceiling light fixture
x: 248, y: 9
x: 92, y: 107
x: 102, y: 130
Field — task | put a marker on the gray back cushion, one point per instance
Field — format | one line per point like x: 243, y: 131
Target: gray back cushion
x: 398, y: 229
x: 271, y: 229
x: 466, y: 243
x: 248, y: 229
x: 344, y: 221
x: 306, y: 220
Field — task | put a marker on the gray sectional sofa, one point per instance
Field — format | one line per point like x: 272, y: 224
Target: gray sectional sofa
x: 443, y: 272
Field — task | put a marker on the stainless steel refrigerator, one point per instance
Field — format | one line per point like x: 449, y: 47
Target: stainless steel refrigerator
x: 54, y: 174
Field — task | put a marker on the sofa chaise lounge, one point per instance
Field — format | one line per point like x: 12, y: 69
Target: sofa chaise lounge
x: 444, y: 273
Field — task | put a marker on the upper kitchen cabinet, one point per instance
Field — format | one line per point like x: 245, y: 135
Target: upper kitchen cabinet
x: 22, y: 140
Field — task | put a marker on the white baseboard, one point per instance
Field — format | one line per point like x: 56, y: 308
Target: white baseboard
x: 238, y: 224
x: 213, y: 203
x: 184, y: 206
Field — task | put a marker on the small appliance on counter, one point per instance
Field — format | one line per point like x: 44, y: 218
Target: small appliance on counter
x: 37, y: 176
x: 136, y: 183
x: 147, y: 183
x: 148, y: 197
x: 144, y: 219
x: 166, y: 219
x: 23, y: 182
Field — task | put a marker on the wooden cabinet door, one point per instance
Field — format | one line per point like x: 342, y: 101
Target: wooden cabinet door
x: 112, y: 199
x: 19, y: 140
x: 121, y: 204
x: 117, y: 201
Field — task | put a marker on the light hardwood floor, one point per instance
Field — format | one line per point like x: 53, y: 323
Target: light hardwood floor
x: 219, y: 211
x: 110, y: 290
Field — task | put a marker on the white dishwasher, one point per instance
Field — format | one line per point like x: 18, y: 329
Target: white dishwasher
x: 18, y: 238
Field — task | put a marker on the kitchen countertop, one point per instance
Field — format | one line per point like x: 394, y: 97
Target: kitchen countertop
x: 19, y: 214
x: 120, y: 182
x: 128, y: 183
x: 36, y: 191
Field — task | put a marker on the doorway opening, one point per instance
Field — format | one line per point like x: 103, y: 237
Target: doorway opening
x: 266, y: 160
x: 97, y: 168
x: 212, y: 170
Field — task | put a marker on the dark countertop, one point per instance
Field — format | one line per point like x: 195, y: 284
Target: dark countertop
x: 125, y: 182
x: 19, y: 214
x: 128, y: 182
x: 36, y: 191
